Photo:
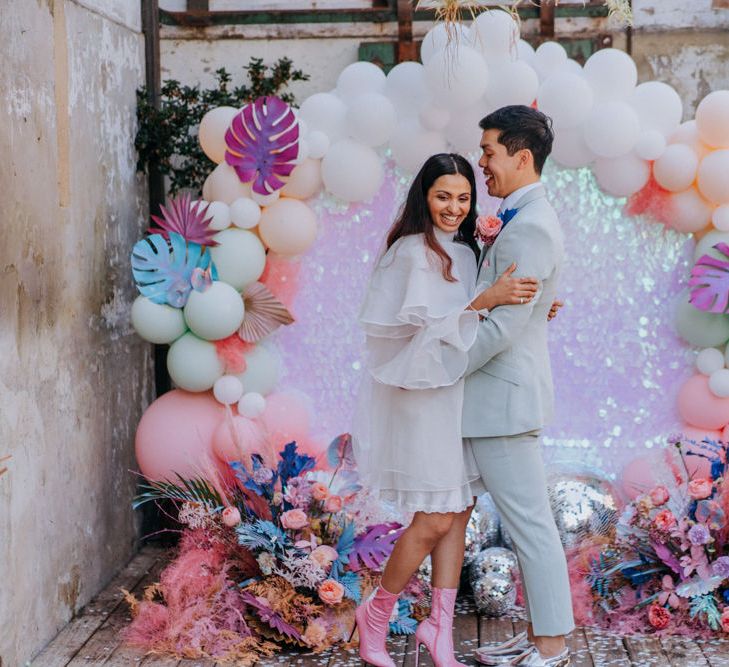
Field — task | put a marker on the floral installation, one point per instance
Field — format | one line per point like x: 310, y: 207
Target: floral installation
x: 271, y: 556
x: 667, y: 568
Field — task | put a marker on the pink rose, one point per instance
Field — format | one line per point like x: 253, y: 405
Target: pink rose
x: 700, y: 488
x: 725, y: 619
x: 659, y: 617
x: 319, y: 491
x: 664, y: 520
x: 324, y: 555
x: 659, y: 495
x: 331, y: 591
x: 488, y: 228
x: 333, y: 504
x: 294, y: 519
x: 231, y: 517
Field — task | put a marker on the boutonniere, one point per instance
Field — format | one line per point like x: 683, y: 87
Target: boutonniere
x: 488, y: 228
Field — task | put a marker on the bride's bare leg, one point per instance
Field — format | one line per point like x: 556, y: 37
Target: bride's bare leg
x: 418, y: 540
x: 447, y: 556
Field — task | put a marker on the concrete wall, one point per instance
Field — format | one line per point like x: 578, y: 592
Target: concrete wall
x: 74, y: 378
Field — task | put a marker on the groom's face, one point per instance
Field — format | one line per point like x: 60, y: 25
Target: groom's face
x: 501, y: 170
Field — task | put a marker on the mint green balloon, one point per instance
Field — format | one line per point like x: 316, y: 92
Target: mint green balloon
x: 699, y: 328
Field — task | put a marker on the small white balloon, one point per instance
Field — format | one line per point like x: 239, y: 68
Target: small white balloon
x: 215, y: 313
x: 318, y: 144
x: 227, y: 389
x: 303, y: 151
x: 675, y: 169
x: 251, y: 405
x: 719, y: 383
x: 612, y: 74
x: 439, y: 37
x: 459, y: 79
x: 713, y: 177
x: 720, y: 218
x: 434, y: 118
x: 352, y: 171
x: 263, y: 367
x: 219, y: 214
x: 371, y: 119
x: 462, y: 133
x: 687, y: 133
x: 265, y: 200
x: 245, y: 213
x: 358, y: 78
x: 548, y: 58
x: 193, y: 364
x: 566, y: 98
x: 712, y: 119
x: 326, y: 113
x: 513, y: 83
x: 525, y: 51
x: 570, y: 149
x: 570, y: 66
x: 658, y: 105
x: 496, y: 35
x: 709, y: 360
x: 211, y: 133
x: 407, y: 88
x: 612, y: 129
x: 157, y: 322
x: 622, y: 176
x: 650, y: 145
x: 412, y: 144
x: 240, y: 258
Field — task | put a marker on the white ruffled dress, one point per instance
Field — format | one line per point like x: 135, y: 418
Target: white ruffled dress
x: 407, y: 426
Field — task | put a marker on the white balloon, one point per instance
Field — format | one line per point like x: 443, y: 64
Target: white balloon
x: 251, y: 405
x: 622, y: 176
x: 720, y: 218
x: 215, y: 313
x: 462, y: 133
x: 706, y: 245
x: 612, y: 74
x: 265, y: 200
x: 699, y: 328
x: 305, y: 180
x: 219, y: 212
x: 612, y: 129
x: 496, y: 35
x: 438, y: 38
x: 570, y: 149
x: 371, y: 119
x: 675, y: 169
x: 709, y: 360
x: 288, y: 227
x: 303, y: 153
x: 411, y: 145
x: 263, y: 367
x: 325, y: 113
x: 548, y: 58
x: 658, y: 106
x: 360, y: 77
x: 719, y: 383
x: 712, y: 119
x: 227, y: 389
x: 157, y: 322
x: 318, y: 145
x: 407, y: 88
x: 650, y: 145
x: 570, y: 66
x: 193, y: 363
x: 245, y: 213
x: 691, y: 212
x: 525, y: 51
x: 352, y: 171
x: 240, y: 258
x: 224, y: 185
x: 713, y: 177
x: 687, y: 133
x: 513, y: 83
x: 211, y: 133
x: 434, y: 118
x: 566, y: 98
x: 459, y: 79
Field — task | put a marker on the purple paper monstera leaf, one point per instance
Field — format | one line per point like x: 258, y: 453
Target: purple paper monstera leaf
x: 263, y: 142
x: 189, y: 219
x: 710, y: 282
x: 373, y: 547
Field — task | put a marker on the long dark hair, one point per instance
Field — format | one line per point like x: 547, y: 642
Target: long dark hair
x: 415, y: 215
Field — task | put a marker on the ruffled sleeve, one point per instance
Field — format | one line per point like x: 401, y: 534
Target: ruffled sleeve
x: 418, y: 331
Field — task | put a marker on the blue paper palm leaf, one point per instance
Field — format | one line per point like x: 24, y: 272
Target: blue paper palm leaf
x: 351, y: 583
x: 405, y: 624
x: 163, y: 270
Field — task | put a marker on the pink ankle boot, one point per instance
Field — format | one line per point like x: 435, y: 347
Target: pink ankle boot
x: 436, y: 631
x: 373, y: 620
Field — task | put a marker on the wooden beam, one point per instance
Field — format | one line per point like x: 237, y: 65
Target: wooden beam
x: 406, y: 48
x: 546, y: 19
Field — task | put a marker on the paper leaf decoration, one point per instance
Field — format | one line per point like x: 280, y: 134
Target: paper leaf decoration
x: 698, y: 586
x: 372, y: 549
x: 163, y: 269
x: 188, y: 220
x: 339, y: 452
x: 263, y: 142
x: 264, y: 313
x: 710, y: 282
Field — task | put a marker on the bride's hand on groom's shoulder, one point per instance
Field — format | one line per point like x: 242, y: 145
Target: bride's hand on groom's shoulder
x: 556, y: 305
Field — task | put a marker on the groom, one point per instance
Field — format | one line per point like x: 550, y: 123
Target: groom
x: 508, y: 393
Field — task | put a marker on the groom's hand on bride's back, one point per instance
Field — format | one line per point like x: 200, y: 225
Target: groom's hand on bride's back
x: 556, y: 305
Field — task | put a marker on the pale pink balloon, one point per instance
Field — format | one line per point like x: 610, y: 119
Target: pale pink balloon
x: 637, y: 477
x: 285, y: 419
x: 236, y: 438
x: 698, y: 405
x: 175, y: 434
x: 317, y: 449
x: 698, y: 466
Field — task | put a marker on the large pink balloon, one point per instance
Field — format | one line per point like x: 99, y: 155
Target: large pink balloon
x: 175, y: 433
x: 285, y: 418
x: 638, y: 477
x: 237, y: 439
x: 700, y: 407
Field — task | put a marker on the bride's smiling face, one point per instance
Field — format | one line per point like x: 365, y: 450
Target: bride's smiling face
x: 449, y: 201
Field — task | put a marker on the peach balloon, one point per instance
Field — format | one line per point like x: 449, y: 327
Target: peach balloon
x: 211, y: 134
x: 285, y: 418
x: 637, y: 477
x: 236, y: 438
x: 288, y: 227
x: 224, y: 185
x: 712, y: 177
x: 691, y: 212
x: 175, y: 434
x: 305, y: 180
x: 698, y: 405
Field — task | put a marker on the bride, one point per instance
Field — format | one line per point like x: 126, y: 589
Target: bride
x: 420, y: 317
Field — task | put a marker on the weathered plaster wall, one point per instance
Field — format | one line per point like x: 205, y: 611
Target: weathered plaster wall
x: 74, y: 379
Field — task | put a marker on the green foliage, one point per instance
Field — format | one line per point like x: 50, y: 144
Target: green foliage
x: 195, y: 490
x: 168, y: 136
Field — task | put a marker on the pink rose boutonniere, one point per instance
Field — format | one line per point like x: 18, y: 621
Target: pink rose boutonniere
x: 488, y: 228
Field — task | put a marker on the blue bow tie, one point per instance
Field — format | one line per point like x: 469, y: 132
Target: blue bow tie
x: 506, y: 215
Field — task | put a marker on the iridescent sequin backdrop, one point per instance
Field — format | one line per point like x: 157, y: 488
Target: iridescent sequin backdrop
x: 616, y: 359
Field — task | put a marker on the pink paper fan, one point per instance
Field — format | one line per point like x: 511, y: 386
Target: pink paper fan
x: 264, y: 313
